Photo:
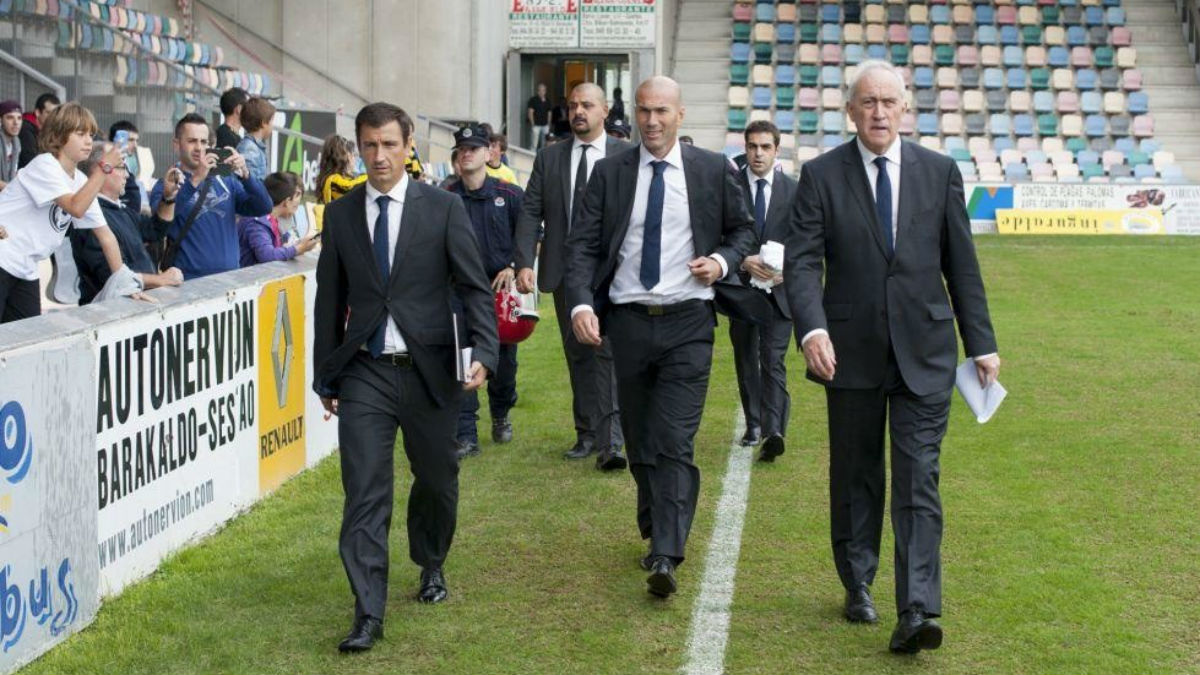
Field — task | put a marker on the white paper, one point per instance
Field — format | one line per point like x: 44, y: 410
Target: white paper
x: 983, y: 402
x: 772, y: 257
x: 464, y: 364
x: 121, y: 283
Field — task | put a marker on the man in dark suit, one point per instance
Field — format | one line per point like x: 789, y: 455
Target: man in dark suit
x: 394, y: 252
x: 886, y: 223
x: 660, y: 223
x: 553, y: 196
x: 760, y: 348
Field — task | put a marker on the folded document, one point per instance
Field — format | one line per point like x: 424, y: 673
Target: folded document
x: 983, y: 402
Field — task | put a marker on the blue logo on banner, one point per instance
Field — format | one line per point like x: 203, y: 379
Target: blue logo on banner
x: 16, y: 447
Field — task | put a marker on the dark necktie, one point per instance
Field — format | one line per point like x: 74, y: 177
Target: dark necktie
x: 883, y: 203
x: 581, y: 178
x: 652, y: 229
x: 380, y: 246
x: 760, y: 206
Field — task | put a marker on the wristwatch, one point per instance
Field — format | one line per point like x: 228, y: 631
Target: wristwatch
x: 106, y: 167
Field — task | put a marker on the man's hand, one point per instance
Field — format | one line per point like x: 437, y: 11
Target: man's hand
x: 988, y: 370
x: 525, y: 280
x: 330, y: 405
x: 754, y: 265
x: 238, y: 163
x: 171, y: 182
x: 705, y: 270
x: 504, y: 279
x: 478, y: 375
x: 586, y: 327
x: 818, y: 355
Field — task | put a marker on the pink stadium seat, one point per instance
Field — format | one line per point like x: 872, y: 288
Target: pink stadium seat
x: 1111, y: 157
x: 897, y: 33
x: 1006, y: 15
x: 1011, y: 156
x: 908, y: 124
x: 1120, y: 37
x: 985, y: 156
x: 1027, y: 144
x: 1081, y: 57
x: 785, y: 13
x: 1041, y: 170
x: 808, y: 98
x: 876, y: 33
x: 831, y: 54
x: 743, y: 12
x: 1131, y: 80
x: 948, y: 100
x: 968, y: 55
x: 1068, y: 102
x: 1143, y: 126
x: 831, y: 98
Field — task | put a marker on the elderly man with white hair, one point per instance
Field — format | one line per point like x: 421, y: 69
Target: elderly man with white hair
x: 880, y: 263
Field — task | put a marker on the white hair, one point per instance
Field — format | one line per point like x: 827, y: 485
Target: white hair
x: 870, y: 66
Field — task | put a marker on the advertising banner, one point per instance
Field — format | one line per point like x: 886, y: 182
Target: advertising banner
x: 296, y: 154
x: 176, y: 429
x: 1178, y: 205
x: 49, y: 577
x: 282, y: 341
x: 543, y: 24
x: 617, y: 23
x: 1080, y: 221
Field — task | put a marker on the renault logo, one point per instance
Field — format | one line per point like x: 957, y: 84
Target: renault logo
x: 281, y: 347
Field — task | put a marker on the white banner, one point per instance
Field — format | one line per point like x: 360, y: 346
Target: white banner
x: 177, y: 435
x: 48, y: 572
x: 617, y: 24
x: 543, y: 24
x: 1180, y: 204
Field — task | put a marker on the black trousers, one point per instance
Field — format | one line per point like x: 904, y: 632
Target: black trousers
x: 662, y: 364
x: 502, y: 395
x: 375, y: 399
x: 760, y: 359
x: 19, y: 298
x: 916, y: 424
x: 593, y: 384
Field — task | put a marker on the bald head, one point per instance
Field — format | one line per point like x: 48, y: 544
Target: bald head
x: 587, y: 107
x: 658, y: 103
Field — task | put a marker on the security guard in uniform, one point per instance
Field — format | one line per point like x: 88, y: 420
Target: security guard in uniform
x: 493, y: 206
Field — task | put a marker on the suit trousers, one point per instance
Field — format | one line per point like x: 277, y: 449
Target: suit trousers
x: 593, y: 384
x: 917, y: 425
x: 502, y: 395
x: 662, y: 364
x: 760, y: 359
x: 375, y: 398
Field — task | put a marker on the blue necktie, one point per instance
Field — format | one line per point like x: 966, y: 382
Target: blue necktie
x: 380, y: 246
x: 652, y: 229
x: 883, y: 203
x: 760, y: 206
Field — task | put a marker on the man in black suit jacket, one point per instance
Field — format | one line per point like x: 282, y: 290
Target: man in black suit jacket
x: 554, y: 194
x: 660, y: 223
x: 760, y: 348
x: 393, y: 253
x: 886, y: 223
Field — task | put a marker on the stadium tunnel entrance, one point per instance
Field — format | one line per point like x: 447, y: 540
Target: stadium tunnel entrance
x: 560, y: 73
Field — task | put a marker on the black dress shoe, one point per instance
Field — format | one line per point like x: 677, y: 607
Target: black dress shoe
x: 752, y: 437
x: 464, y: 449
x: 502, y: 431
x: 915, y: 631
x: 860, y: 608
x: 772, y: 448
x: 433, y: 587
x: 611, y: 460
x: 661, y: 581
x: 366, y: 631
x: 582, y: 450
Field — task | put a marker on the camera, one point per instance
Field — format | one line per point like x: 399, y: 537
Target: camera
x: 222, y: 169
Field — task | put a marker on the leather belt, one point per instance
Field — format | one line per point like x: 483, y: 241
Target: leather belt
x: 398, y: 359
x: 660, y: 310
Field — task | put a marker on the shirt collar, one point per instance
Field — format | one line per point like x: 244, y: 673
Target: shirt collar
x: 892, y: 153
x: 674, y: 157
x: 108, y: 199
x: 396, y: 193
x: 753, y: 177
x: 598, y: 144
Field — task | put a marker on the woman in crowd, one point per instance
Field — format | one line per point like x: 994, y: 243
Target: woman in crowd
x: 337, y: 174
x: 260, y: 237
x: 47, y: 197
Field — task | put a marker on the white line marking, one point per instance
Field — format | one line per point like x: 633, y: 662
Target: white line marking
x: 710, y: 616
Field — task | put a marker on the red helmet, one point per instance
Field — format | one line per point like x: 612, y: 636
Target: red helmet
x: 516, y: 316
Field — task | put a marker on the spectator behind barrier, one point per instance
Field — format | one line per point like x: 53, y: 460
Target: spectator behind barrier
x: 496, y: 167
x: 132, y: 195
x: 10, y: 141
x: 49, y: 195
x: 42, y: 107
x: 257, y: 116
x: 132, y: 230
x: 260, y: 238
x: 337, y: 176
x: 616, y: 111
x: 210, y: 245
x: 229, y: 134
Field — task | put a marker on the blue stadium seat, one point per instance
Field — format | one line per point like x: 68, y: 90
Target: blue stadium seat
x: 785, y: 120
x: 785, y: 53
x: 1087, y: 157
x: 987, y: 35
x: 1009, y: 35
x: 1000, y: 124
x: 877, y: 52
x: 1014, y: 172
x: 830, y: 14
x: 764, y: 12
x: 1043, y: 102
x: 833, y: 122
x: 831, y: 33
x: 1095, y: 126
x: 785, y: 33
x: 976, y: 124
x: 1126, y: 145
x: 1090, y: 102
x: 831, y: 140
x: 1076, y: 36
x: 1093, y: 16
x: 1058, y: 57
x: 1016, y: 78
x: 1149, y: 146
x: 939, y: 14
x: 831, y: 76
x: 785, y: 75
x: 923, y: 77
x: 953, y: 143
x: 1173, y: 173
x: 919, y: 34
x: 739, y: 52
x: 1014, y: 57
x: 852, y: 54
x: 1144, y: 171
x: 993, y: 78
x: 1023, y: 125
x: 1086, y: 79
x: 927, y: 124
x: 1003, y: 143
x: 985, y: 14
x: 1035, y: 157
x: 761, y: 97
x: 1114, y: 16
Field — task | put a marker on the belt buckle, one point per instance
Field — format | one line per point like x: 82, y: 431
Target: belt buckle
x: 655, y: 310
x: 401, y: 360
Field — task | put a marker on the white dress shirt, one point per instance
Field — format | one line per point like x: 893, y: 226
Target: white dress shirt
x: 767, y: 189
x: 597, y: 152
x: 393, y: 342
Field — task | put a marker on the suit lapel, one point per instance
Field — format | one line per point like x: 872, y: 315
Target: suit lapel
x: 908, y: 193
x: 781, y: 201
x: 695, y: 187
x: 409, y: 222
x: 860, y: 187
x: 626, y: 189
x: 361, y: 232
x: 564, y: 174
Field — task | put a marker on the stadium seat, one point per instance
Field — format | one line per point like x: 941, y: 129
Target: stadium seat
x: 808, y: 98
x: 809, y: 54
x: 1138, y: 103
x: 877, y: 51
x: 831, y: 76
x: 1144, y: 171
x: 1000, y: 124
x: 1110, y: 79
x: 809, y: 76
x: 1114, y: 103
x: 970, y: 77
x: 743, y: 12
x: 1072, y: 125
x: 949, y: 100
x: 785, y: 75
x: 764, y: 52
x: 786, y: 121
x: 809, y: 32
x: 1086, y: 79
x: 1131, y: 80
x: 1093, y: 16
x: 1172, y: 173
x: 1103, y: 57
x: 990, y: 55
x: 831, y: 54
x: 785, y: 98
x: 1016, y: 78
x: 764, y: 32
x: 762, y: 75
x: 760, y: 97
x: 785, y: 13
x: 831, y: 99
x: 1091, y: 102
x: 739, y: 52
x: 831, y: 32
x: 1019, y: 101
x: 925, y: 99
x: 1111, y: 157
x: 952, y: 124
x: 739, y: 73
x: 1120, y: 125
x: 739, y: 97
x: 923, y: 77
x: 1114, y: 16
x: 987, y: 35
x: 921, y: 55
x: 1047, y: 125
x: 741, y: 32
x: 809, y: 122
x: 1095, y: 126
x: 1043, y: 102
x: 993, y: 78
x: 908, y: 124
x: 736, y: 119
x: 851, y: 12
x: 972, y: 100
x: 947, y: 78
x: 831, y: 140
x: 785, y: 33
x: 1023, y: 124
x: 997, y: 100
x: 1120, y: 36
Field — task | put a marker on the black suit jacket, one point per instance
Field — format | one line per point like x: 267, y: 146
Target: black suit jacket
x: 871, y: 299
x: 735, y: 290
x: 548, y: 200
x: 719, y: 219
x: 437, y: 256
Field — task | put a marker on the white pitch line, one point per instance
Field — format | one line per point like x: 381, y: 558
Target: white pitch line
x: 710, y: 615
